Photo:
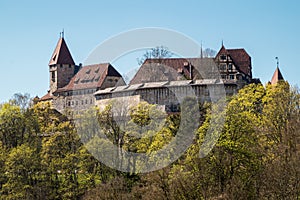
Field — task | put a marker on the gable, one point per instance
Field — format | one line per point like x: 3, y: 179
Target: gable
x: 239, y: 57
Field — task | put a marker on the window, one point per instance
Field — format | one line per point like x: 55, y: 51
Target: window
x: 231, y: 76
x: 223, y: 57
x: 223, y: 76
x: 86, y: 101
x: 223, y: 67
x: 53, y: 76
x: 230, y: 66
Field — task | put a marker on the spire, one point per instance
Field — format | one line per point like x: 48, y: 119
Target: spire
x: 201, y: 51
x: 61, y: 54
x: 277, y: 76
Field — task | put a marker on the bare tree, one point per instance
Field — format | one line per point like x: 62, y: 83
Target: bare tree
x: 157, y: 52
x: 208, y: 53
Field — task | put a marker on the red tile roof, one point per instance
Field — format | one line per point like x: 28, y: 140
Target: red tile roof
x: 277, y: 76
x: 239, y: 57
x: 61, y: 54
x: 46, y: 97
x: 90, y: 76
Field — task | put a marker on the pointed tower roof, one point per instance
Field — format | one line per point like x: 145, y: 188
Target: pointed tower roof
x: 61, y: 54
x: 223, y: 50
x: 277, y: 76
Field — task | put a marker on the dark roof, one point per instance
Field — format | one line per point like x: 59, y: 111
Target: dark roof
x: 61, y: 54
x: 277, y: 76
x: 156, y: 70
x: 239, y: 57
x: 90, y: 76
x: 173, y: 69
x: 204, y: 68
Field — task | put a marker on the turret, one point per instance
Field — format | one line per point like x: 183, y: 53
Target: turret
x: 61, y: 66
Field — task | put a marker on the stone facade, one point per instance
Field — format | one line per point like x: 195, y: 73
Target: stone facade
x: 164, y: 82
x: 169, y: 94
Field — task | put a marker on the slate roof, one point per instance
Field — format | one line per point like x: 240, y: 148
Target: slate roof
x: 156, y: 70
x: 61, y: 54
x: 174, y: 69
x: 204, y: 68
x: 90, y: 76
x: 277, y: 76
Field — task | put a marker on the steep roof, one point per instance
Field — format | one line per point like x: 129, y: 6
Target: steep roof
x: 204, y: 68
x: 173, y: 69
x: 156, y: 70
x: 239, y: 57
x: 90, y: 76
x: 61, y: 54
x: 277, y: 76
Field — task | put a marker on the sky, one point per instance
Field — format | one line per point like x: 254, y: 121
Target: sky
x: 30, y: 30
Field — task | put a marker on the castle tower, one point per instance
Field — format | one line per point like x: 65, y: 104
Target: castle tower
x: 277, y: 76
x: 61, y: 66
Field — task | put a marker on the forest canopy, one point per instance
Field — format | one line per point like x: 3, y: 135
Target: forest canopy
x: 43, y: 156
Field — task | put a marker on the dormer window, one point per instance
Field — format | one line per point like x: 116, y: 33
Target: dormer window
x: 223, y: 57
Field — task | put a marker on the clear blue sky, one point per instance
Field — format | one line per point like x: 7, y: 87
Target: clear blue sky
x: 30, y: 30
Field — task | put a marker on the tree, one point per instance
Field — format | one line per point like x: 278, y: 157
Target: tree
x: 157, y: 52
x: 22, y: 168
x: 12, y: 127
x: 60, y: 159
x: 208, y: 53
x: 281, y: 137
x: 22, y: 100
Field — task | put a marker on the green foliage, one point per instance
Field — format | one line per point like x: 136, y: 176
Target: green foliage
x: 22, y: 168
x: 256, y: 155
x: 11, y: 125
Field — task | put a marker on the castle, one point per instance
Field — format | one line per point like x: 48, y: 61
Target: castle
x: 161, y: 81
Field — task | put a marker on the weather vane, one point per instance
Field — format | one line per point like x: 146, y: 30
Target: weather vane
x: 277, y: 61
x: 61, y: 34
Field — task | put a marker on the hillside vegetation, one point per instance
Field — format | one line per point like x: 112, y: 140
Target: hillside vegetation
x: 44, y: 154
